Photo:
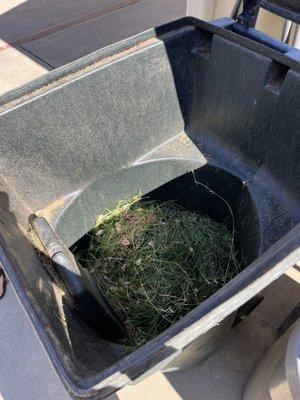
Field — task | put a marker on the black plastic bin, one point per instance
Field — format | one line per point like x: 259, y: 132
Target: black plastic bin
x: 139, y: 116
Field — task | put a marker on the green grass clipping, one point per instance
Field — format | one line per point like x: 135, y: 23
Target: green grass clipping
x: 155, y: 262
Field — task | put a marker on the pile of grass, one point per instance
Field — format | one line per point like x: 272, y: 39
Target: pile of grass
x: 156, y: 261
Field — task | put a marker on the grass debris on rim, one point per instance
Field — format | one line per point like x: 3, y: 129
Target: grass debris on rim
x: 156, y: 262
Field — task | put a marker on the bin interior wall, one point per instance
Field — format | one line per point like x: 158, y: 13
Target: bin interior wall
x: 59, y: 142
x: 55, y: 147
x: 245, y: 114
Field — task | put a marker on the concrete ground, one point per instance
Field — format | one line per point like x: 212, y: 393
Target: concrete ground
x: 39, y: 35
x: 36, y: 36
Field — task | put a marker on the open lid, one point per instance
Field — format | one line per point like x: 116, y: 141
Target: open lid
x: 289, y: 9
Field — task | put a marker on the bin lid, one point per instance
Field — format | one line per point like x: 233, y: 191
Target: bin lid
x: 289, y: 9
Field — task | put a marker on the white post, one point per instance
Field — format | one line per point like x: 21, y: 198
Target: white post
x: 210, y: 9
x: 296, y: 39
x: 202, y: 9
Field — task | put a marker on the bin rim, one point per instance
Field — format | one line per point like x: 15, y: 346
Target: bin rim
x: 223, y: 27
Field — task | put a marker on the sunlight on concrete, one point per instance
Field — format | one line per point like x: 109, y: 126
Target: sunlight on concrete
x: 294, y: 273
x: 6, y: 6
x: 17, y: 69
x: 155, y: 387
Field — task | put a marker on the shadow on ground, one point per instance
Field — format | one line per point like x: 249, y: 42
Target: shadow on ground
x: 53, y: 33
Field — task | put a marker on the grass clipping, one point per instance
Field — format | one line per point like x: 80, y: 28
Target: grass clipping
x: 156, y: 262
